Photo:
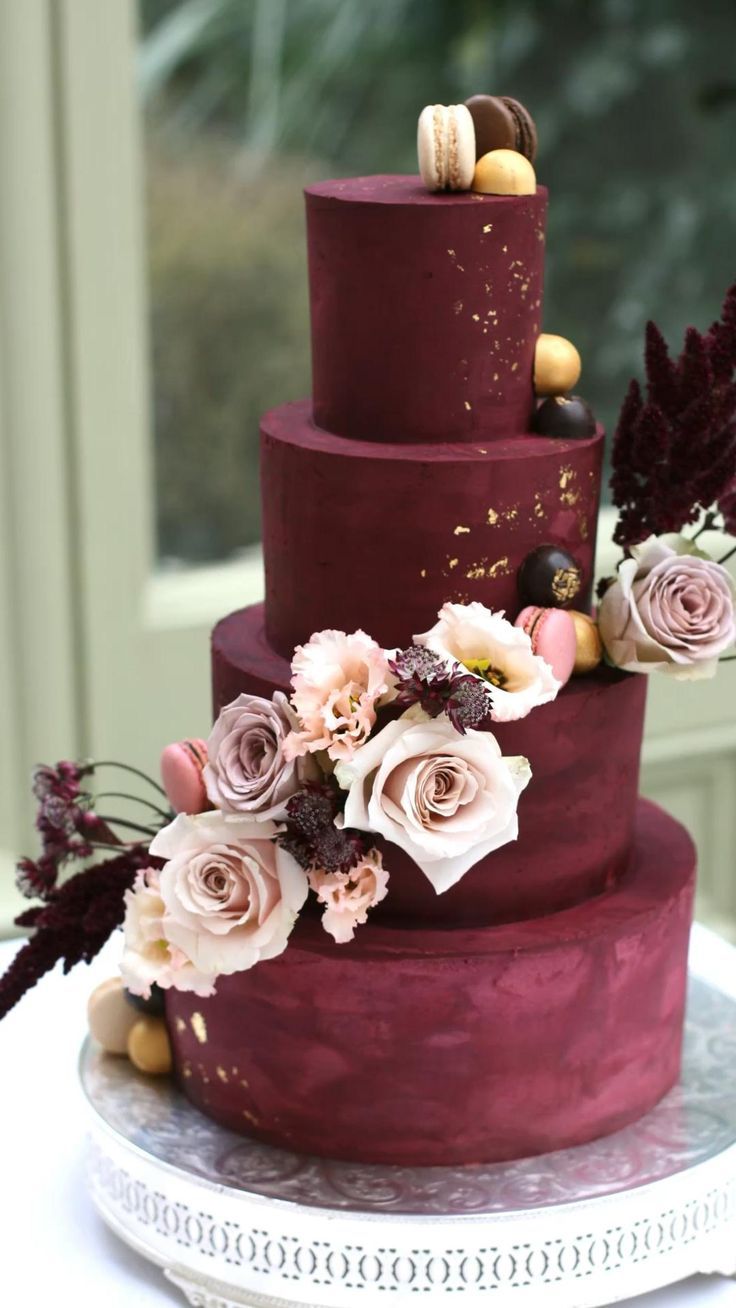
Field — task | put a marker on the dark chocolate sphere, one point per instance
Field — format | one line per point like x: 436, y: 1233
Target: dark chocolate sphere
x: 153, y: 1007
x: 551, y: 577
x: 564, y: 417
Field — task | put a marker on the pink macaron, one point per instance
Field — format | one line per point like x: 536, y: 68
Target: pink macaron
x: 552, y: 633
x: 182, y: 765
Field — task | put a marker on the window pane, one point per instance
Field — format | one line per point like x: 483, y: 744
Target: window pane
x: 248, y: 100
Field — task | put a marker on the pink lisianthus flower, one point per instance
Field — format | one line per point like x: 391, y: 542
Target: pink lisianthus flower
x: 338, y: 682
x: 348, y: 896
x: 149, y: 958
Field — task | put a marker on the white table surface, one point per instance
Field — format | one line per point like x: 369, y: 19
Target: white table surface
x: 52, y: 1243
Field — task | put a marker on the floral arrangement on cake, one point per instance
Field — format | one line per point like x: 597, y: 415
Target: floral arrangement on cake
x: 375, y: 748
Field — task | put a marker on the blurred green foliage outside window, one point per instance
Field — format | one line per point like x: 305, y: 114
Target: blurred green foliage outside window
x: 248, y: 100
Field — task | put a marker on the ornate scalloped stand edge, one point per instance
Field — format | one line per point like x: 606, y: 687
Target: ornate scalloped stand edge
x: 235, y: 1223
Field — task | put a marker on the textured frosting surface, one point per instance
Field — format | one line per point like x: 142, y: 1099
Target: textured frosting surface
x: 378, y: 536
x: 430, y: 1047
x: 576, y: 817
x: 425, y: 309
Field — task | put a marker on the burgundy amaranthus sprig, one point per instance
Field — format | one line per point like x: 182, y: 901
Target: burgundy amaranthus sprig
x: 73, y: 919
x: 311, y: 836
x: 674, y: 449
x: 424, y: 678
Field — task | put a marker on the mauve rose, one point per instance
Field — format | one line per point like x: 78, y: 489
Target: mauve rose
x: 231, y: 895
x: 148, y: 957
x: 247, y: 769
x: 670, y: 609
x: 448, y: 800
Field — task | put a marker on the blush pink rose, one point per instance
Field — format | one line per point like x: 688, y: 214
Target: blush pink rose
x: 670, y: 609
x: 448, y: 800
x: 148, y: 957
x: 348, y: 896
x: 338, y: 681
x: 231, y: 895
x: 247, y: 770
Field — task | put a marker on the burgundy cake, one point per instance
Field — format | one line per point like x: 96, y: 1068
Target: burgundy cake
x: 538, y: 1002
x: 404, y: 904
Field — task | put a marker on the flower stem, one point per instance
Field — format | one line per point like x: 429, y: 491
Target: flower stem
x: 123, y: 822
x: 707, y: 524
x: 729, y: 555
x: 136, y: 772
x: 135, y: 799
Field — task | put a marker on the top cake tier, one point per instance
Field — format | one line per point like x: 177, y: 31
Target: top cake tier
x: 425, y: 309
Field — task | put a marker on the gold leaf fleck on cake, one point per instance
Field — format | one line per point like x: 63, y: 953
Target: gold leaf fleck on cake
x: 203, y: 1073
x: 245, y: 1084
x: 482, y: 451
x: 505, y: 249
x: 180, y: 1024
x: 538, y: 505
x: 186, y: 1069
x: 222, y: 1074
x: 461, y: 531
x: 583, y: 526
x: 514, y: 366
x: 459, y: 267
x: 495, y: 376
x: 476, y: 317
x: 570, y: 497
x: 467, y: 404
x: 524, y: 287
x: 452, y: 563
x: 511, y: 514
x: 458, y: 306
x: 477, y: 571
x: 451, y: 253
x: 566, y: 476
x: 488, y: 227
x: 492, y: 518
x: 251, y: 1117
x: 423, y: 572
x: 199, y: 1027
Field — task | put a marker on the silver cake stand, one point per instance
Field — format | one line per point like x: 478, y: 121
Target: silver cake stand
x: 233, y: 1222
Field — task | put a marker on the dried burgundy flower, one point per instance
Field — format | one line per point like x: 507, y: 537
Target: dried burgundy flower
x: 73, y: 924
x: 312, y: 809
x: 674, y: 450
x: 470, y: 704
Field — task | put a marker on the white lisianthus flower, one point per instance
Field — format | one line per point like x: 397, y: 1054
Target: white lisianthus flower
x: 447, y: 800
x: 497, y: 652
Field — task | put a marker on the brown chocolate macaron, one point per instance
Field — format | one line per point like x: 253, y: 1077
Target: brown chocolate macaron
x: 526, y: 132
x: 502, y: 124
x: 495, y: 127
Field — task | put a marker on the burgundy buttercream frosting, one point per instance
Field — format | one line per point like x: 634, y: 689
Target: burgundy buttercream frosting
x: 378, y: 536
x: 575, y: 818
x: 425, y: 309
x: 538, y: 1003
x: 429, y: 1047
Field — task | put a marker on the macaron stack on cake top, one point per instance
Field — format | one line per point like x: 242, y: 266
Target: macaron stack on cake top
x: 537, y: 1002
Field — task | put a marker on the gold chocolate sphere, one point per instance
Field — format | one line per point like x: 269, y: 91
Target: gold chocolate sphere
x: 504, y: 172
x: 589, y: 647
x: 557, y: 365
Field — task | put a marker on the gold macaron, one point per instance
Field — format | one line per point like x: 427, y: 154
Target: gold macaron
x: 589, y: 647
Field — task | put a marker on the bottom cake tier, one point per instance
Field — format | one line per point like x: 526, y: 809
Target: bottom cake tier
x: 430, y: 1047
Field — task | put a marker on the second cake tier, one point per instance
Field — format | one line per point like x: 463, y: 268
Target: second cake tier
x: 576, y: 817
x: 378, y: 536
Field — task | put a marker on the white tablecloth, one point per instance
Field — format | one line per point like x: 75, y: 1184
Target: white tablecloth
x: 53, y: 1246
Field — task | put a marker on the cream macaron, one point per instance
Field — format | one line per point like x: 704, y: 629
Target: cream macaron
x: 446, y: 147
